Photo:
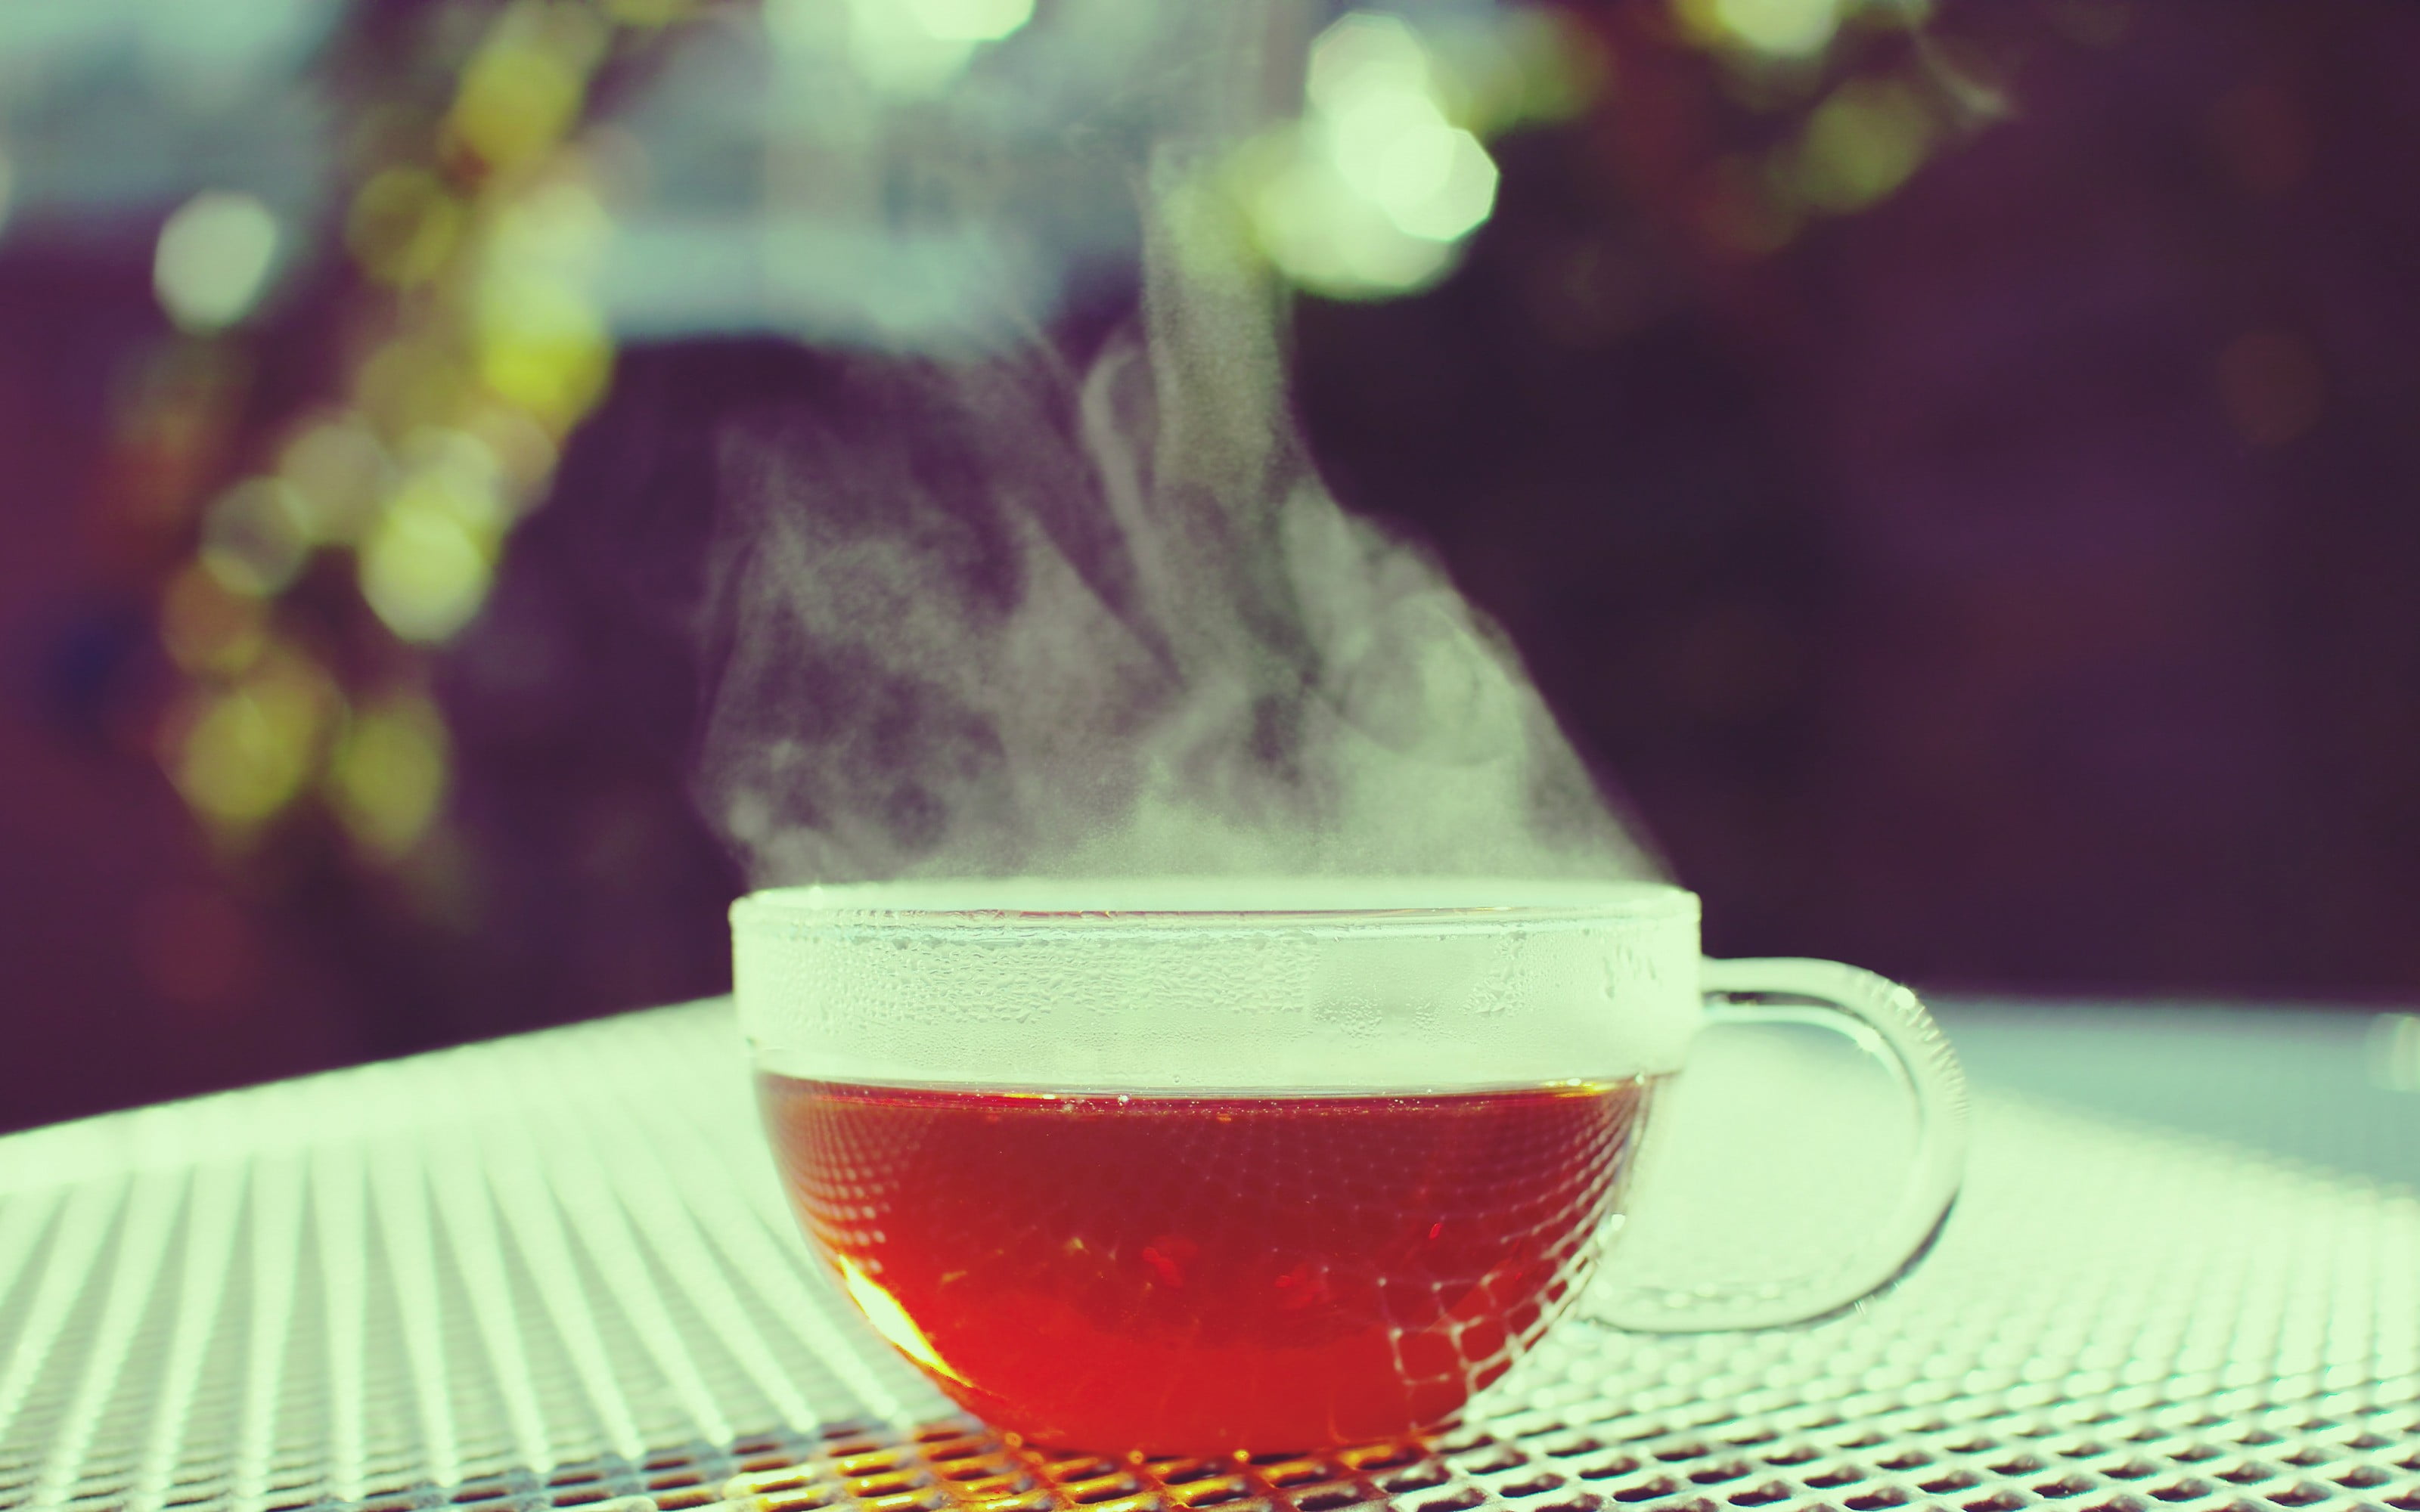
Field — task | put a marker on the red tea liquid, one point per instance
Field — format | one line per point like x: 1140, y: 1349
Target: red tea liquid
x: 1206, y: 1274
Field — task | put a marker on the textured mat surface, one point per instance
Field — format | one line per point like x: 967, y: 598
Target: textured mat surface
x: 555, y: 1270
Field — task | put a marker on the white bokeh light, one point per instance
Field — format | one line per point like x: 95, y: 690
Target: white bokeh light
x: 213, y: 260
x: 1380, y: 184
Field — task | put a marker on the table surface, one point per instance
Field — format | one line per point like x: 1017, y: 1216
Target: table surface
x: 556, y: 1271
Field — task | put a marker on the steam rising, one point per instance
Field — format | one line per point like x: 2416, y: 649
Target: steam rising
x: 1022, y: 612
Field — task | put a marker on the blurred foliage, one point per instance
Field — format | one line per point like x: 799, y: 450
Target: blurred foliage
x: 466, y: 344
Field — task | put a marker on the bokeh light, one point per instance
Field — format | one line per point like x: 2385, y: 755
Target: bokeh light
x: 1372, y: 89
x: 213, y: 260
x: 523, y: 88
x: 1860, y: 145
x: 475, y: 340
x: 1370, y: 194
x: 404, y: 225
x: 240, y: 754
x: 338, y: 471
x: 425, y: 566
x: 1786, y: 32
x: 1779, y: 28
x: 256, y: 537
x: 387, y: 777
x: 1337, y: 243
x: 542, y: 341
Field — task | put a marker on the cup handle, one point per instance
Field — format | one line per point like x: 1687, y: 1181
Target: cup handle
x: 1885, y: 1020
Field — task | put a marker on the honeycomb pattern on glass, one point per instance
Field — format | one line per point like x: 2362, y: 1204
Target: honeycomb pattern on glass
x: 558, y: 1271
x: 1311, y: 1267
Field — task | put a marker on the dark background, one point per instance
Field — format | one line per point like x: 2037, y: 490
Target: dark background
x: 2012, y: 585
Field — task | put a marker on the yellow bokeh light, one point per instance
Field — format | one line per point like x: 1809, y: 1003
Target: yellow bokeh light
x: 524, y: 453
x: 1526, y: 64
x: 338, y: 470
x: 386, y: 780
x: 545, y: 348
x: 454, y: 472
x: 542, y: 341
x: 1859, y: 145
x: 516, y: 99
x: 424, y: 568
x: 246, y: 750
x: 561, y: 228
x: 457, y: 404
x: 404, y: 225
x: 415, y: 380
x: 256, y: 537
x: 1776, y: 28
x: 1332, y: 241
x: 213, y: 258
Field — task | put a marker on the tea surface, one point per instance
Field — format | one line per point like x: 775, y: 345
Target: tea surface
x: 1204, y: 1273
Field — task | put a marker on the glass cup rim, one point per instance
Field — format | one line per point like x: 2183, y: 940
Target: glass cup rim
x: 1052, y: 904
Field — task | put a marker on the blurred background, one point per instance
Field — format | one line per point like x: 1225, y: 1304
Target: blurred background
x: 1953, y: 466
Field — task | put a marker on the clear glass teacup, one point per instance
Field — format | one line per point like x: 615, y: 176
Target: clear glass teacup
x: 1245, y: 1167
